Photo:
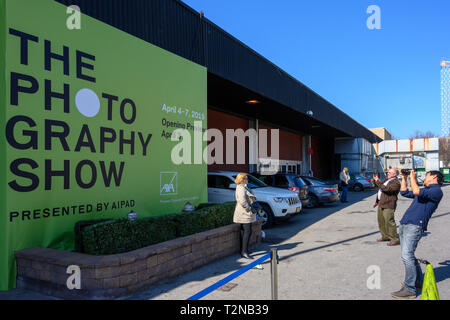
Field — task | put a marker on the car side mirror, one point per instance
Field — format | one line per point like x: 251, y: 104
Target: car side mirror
x: 232, y: 186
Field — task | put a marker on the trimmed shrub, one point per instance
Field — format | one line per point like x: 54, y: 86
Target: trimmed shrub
x: 205, y: 205
x: 123, y: 235
x: 79, y: 226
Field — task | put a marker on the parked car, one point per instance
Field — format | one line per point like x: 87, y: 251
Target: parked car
x: 320, y: 191
x: 277, y: 203
x: 359, y: 183
x: 356, y: 183
x: 288, y: 181
x: 369, y: 175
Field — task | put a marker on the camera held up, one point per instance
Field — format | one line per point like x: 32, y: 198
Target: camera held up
x: 405, y: 172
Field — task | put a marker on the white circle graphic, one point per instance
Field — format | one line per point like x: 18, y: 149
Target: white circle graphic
x: 87, y: 102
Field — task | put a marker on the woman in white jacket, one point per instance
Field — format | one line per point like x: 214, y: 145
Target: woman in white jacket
x: 243, y: 213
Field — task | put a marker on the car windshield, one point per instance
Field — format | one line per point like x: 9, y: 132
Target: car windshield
x: 253, y: 182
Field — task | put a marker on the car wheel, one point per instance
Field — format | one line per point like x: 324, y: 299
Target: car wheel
x: 314, y: 202
x: 268, y: 217
x: 358, y: 187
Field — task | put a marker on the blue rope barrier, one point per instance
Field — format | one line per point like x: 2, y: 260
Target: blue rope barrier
x: 227, y: 279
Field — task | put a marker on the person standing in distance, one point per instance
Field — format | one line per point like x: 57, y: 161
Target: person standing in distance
x: 387, y: 203
x: 243, y: 213
x: 414, y: 223
x: 344, y: 177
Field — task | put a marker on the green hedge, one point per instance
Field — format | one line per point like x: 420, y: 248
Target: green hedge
x: 79, y: 226
x: 122, y: 235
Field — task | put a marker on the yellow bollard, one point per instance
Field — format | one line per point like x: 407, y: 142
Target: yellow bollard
x: 429, y: 289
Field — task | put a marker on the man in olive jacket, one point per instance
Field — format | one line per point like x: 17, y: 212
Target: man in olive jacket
x: 388, y: 192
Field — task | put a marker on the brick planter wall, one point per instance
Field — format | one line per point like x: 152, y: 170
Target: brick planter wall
x: 112, y: 276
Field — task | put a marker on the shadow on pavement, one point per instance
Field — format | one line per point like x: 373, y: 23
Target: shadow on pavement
x: 328, y: 245
x: 287, y: 229
x: 278, y: 236
x: 275, y: 237
x: 439, y: 215
x: 443, y: 271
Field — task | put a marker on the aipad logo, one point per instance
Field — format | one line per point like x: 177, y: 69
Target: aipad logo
x: 168, y: 183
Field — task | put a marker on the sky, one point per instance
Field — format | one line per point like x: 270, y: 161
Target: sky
x: 388, y: 77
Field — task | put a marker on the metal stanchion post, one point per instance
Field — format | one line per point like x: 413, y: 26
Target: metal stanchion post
x: 274, y: 274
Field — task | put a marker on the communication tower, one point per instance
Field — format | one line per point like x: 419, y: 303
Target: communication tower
x: 445, y: 98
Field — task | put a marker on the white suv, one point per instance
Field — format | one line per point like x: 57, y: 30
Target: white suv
x: 276, y: 202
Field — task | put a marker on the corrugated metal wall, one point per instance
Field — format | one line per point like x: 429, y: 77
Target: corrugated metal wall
x: 172, y: 25
x: 169, y: 24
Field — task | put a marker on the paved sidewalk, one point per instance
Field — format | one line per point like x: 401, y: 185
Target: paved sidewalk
x: 324, y: 254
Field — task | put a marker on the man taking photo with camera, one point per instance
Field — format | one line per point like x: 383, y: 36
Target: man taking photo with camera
x: 414, y: 223
x: 387, y: 203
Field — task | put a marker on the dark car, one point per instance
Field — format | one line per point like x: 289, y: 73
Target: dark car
x: 320, y: 191
x: 288, y: 181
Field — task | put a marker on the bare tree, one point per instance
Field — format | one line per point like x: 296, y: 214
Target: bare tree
x: 444, y: 151
x: 419, y: 134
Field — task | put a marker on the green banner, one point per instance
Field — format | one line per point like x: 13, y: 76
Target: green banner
x: 86, y: 119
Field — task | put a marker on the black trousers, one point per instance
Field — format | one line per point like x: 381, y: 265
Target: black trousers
x: 246, y: 232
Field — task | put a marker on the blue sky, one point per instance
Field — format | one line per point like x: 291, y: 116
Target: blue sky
x: 381, y: 78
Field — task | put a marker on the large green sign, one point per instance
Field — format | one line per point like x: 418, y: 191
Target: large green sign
x: 86, y: 121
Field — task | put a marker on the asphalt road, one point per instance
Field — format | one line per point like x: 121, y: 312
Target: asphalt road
x: 325, y: 253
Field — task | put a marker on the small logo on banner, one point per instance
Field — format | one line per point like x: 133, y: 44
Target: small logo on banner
x: 168, y: 183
